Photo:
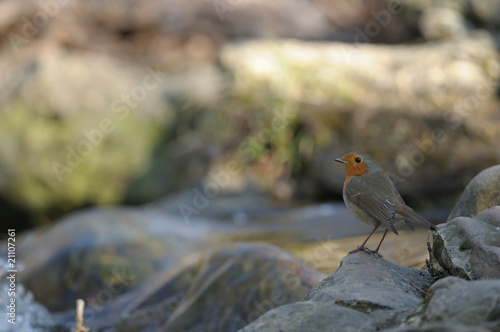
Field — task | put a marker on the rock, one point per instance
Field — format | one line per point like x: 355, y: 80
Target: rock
x: 455, y: 302
x: 99, y: 254
x: 470, y: 247
x: 389, y: 291
x: 439, y: 327
x: 482, y: 192
x: 384, y: 291
x: 333, y: 75
x: 312, y: 316
x: 222, y: 289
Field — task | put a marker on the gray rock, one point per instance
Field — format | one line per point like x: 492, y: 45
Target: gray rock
x: 369, y: 284
x: 102, y: 251
x: 480, y: 194
x: 383, y: 291
x: 453, y: 301
x: 440, y: 327
x: 219, y: 290
x: 312, y: 316
x: 470, y: 247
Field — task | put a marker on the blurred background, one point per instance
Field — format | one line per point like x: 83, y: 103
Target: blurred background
x: 228, y: 114
x: 276, y: 88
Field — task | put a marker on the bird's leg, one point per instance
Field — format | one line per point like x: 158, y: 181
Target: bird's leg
x: 378, y: 247
x: 362, y: 246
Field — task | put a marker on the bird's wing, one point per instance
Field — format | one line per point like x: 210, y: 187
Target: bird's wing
x: 379, y: 206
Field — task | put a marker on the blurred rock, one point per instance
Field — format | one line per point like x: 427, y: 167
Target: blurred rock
x: 102, y: 253
x: 456, y: 303
x: 73, y: 122
x: 332, y: 76
x: 410, y: 107
x: 441, y: 23
x: 312, y: 316
x: 470, y: 247
x: 482, y: 193
x: 382, y: 290
x: 222, y: 290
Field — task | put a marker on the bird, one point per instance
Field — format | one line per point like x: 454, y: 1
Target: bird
x: 372, y: 197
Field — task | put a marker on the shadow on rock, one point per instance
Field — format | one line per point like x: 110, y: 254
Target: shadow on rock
x: 470, y: 247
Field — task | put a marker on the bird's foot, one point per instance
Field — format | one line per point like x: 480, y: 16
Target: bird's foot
x: 357, y: 249
x: 375, y: 252
x: 363, y: 248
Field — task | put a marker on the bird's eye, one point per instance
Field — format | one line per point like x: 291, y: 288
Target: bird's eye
x: 358, y: 160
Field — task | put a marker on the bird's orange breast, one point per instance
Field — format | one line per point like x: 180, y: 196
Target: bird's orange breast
x: 354, y: 170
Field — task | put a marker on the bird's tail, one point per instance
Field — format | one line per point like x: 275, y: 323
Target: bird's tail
x: 410, y: 214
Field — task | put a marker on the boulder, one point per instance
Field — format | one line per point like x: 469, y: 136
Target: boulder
x: 308, y: 316
x: 482, y: 192
x: 455, y: 303
x: 384, y: 290
x: 221, y: 289
x: 99, y: 254
x: 470, y: 247
x: 379, y: 292
x: 439, y: 327
x: 332, y: 76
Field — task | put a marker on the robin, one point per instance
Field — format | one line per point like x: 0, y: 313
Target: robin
x: 372, y: 197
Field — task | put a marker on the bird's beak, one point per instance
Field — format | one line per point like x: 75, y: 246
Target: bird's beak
x: 341, y: 160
